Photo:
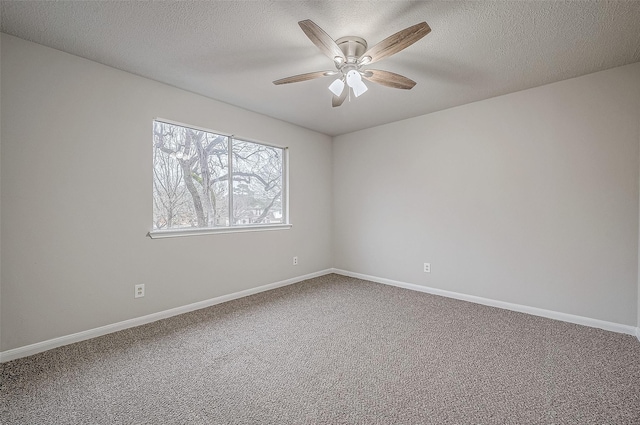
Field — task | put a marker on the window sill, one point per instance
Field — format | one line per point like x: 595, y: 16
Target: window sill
x: 176, y: 233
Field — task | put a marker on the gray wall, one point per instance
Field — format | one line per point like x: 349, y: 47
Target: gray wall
x: 76, y: 199
x: 0, y: 196
x: 529, y: 198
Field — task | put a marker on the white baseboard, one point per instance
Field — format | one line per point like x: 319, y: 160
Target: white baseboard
x: 579, y: 320
x: 39, y: 347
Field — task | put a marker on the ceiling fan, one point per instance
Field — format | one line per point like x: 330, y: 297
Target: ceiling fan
x: 350, y: 55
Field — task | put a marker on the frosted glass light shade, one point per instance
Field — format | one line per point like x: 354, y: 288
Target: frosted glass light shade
x: 359, y: 88
x: 354, y: 80
x: 336, y: 87
x: 353, y: 77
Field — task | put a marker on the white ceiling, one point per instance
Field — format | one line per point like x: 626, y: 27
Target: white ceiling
x: 233, y: 50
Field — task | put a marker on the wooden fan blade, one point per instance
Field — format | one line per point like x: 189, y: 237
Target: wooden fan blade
x: 397, y: 42
x: 339, y: 100
x: 303, y: 77
x: 389, y: 79
x: 321, y: 39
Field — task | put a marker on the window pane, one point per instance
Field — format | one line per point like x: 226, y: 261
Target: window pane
x: 257, y: 183
x: 190, y: 178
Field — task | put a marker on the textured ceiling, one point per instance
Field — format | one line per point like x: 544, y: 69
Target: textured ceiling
x: 232, y: 51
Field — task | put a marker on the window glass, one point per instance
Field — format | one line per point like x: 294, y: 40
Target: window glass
x: 257, y: 183
x: 191, y: 180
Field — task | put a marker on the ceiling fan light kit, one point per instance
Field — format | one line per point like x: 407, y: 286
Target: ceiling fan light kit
x: 350, y: 54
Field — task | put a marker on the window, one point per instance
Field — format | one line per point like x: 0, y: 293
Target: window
x: 205, y: 182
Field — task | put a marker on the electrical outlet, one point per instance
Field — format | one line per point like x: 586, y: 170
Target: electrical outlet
x: 427, y: 267
x: 295, y: 261
x: 139, y: 291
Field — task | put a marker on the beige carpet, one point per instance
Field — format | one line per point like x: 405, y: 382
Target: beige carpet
x: 333, y: 350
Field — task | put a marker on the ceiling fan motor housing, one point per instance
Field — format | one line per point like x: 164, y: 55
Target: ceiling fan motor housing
x: 352, y: 47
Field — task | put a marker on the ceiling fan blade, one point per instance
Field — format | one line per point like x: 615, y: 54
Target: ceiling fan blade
x: 339, y: 100
x: 322, y: 40
x: 303, y: 77
x: 396, y: 42
x: 389, y: 79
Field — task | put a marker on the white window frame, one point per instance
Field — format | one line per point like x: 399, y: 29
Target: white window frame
x: 200, y: 231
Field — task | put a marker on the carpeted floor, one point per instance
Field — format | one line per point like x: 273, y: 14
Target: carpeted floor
x: 333, y: 350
